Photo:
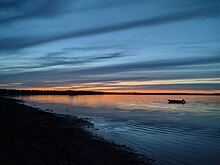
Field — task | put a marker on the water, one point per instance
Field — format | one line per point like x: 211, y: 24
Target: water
x: 172, y: 134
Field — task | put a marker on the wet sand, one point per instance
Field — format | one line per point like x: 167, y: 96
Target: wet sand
x: 31, y: 136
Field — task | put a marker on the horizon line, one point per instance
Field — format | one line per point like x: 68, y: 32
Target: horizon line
x: 58, y: 92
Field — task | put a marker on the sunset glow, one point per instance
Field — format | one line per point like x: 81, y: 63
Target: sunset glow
x: 129, y: 46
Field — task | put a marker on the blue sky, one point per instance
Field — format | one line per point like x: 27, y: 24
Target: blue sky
x: 126, y: 44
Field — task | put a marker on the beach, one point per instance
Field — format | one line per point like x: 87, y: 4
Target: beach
x: 31, y: 136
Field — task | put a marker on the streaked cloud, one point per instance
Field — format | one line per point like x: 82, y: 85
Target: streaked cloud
x: 195, y: 13
x: 127, y: 44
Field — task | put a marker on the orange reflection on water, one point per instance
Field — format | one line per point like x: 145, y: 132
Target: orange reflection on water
x: 125, y: 102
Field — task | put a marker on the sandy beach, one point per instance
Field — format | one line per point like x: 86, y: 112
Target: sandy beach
x: 31, y: 136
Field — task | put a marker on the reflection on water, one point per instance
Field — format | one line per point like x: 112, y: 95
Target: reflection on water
x: 169, y: 133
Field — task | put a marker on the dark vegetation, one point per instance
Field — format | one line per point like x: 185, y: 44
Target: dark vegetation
x: 13, y: 92
x: 5, y: 92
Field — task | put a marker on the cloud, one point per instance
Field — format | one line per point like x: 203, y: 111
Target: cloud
x: 52, y: 60
x: 100, y: 4
x: 29, y: 23
x: 153, y: 65
x: 123, y: 84
x: 152, y: 70
x: 66, y: 58
x: 23, y: 9
x: 198, y: 86
x: 5, y: 5
x: 7, y: 44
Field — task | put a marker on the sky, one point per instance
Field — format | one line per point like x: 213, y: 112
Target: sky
x: 111, y: 45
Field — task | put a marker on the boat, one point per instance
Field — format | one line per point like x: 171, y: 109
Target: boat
x: 177, y: 101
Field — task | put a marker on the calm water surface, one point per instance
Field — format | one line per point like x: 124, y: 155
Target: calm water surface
x: 172, y: 134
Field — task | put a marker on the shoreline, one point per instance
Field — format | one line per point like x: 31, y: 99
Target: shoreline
x: 11, y: 92
x: 32, y: 136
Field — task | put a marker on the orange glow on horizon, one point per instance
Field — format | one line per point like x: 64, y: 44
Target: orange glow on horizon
x: 130, y: 86
x: 124, y: 90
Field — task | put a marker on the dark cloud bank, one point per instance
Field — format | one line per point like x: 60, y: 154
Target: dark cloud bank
x: 194, y: 13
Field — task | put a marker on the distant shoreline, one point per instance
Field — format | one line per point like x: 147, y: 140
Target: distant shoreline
x: 5, y: 92
x: 128, y: 93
